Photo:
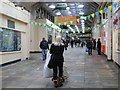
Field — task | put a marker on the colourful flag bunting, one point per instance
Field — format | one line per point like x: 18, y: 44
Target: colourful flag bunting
x: 88, y: 16
x: 78, y: 20
x: 56, y: 24
x: 33, y: 23
x: 93, y: 15
x: 65, y: 23
x: 30, y: 22
x: 68, y: 23
x: 101, y: 12
x: 115, y: 5
x: 37, y: 24
x: 85, y: 17
x: 41, y: 24
x: 96, y: 13
x: 105, y: 9
x: 110, y: 7
x: 59, y: 24
x: 71, y: 22
x: 74, y: 21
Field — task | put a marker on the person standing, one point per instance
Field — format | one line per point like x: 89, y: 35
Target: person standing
x: 89, y: 46
x: 44, y: 46
x: 94, y: 44
x: 99, y: 46
x: 57, y: 50
x: 72, y: 41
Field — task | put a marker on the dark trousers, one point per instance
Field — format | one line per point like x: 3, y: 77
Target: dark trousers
x: 99, y: 51
x: 90, y: 50
x: 57, y: 66
x: 71, y: 45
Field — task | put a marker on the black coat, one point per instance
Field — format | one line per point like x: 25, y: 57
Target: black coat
x: 99, y: 45
x: 57, y: 52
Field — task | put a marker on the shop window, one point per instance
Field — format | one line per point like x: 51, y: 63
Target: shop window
x: 11, y: 24
x: 9, y: 40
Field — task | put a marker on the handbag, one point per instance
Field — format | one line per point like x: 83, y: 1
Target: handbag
x: 50, y: 64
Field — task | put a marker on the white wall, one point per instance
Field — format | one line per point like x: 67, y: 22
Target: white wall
x: 21, y: 18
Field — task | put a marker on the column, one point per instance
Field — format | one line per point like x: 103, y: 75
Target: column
x: 109, y: 41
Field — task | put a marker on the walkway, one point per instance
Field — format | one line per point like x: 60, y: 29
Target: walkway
x: 84, y: 72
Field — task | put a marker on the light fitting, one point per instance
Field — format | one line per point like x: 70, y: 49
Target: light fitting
x: 52, y: 6
x: 80, y: 6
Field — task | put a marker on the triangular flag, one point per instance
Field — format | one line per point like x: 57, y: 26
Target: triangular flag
x: 91, y: 27
x: 88, y: 17
x: 99, y: 25
x: 96, y: 13
x: 65, y: 23
x: 53, y: 24
x: 71, y: 22
x: 56, y: 24
x: 115, y: 5
x: 46, y: 24
x: 102, y: 24
x: 43, y: 24
x: 110, y: 7
x: 101, y: 12
x: 78, y: 20
x: 85, y: 17
x: 35, y: 23
x: 74, y: 21
x: 39, y: 24
x: 93, y: 15
x: 31, y: 22
x: 105, y: 9
x: 68, y: 23
x: 59, y: 24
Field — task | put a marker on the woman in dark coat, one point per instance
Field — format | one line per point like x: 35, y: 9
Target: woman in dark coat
x: 99, y: 46
x: 57, y: 50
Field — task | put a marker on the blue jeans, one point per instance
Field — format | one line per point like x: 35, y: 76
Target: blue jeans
x: 44, y: 53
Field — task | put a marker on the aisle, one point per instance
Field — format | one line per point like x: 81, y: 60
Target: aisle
x: 84, y: 72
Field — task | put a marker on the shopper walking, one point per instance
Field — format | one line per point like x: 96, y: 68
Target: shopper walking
x: 57, y: 50
x: 94, y: 44
x: 89, y: 46
x: 99, y: 46
x: 44, y: 46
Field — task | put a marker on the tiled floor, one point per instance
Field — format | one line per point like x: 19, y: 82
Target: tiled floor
x: 84, y: 71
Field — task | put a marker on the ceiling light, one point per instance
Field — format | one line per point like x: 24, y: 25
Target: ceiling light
x: 72, y: 4
x: 81, y: 13
x: 82, y: 17
x: 58, y: 13
x: 52, y: 6
x: 80, y: 6
x: 70, y: 12
x: 68, y: 8
x: 63, y: 0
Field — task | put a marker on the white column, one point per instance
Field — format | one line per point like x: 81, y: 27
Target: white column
x: 109, y: 36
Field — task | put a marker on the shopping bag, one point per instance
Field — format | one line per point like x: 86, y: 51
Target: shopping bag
x: 50, y: 64
x: 86, y: 49
x: 47, y: 72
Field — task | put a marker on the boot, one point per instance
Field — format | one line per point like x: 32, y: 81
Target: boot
x: 55, y: 83
x: 60, y: 81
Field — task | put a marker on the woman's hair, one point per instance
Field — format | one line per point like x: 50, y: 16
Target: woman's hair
x: 58, y: 39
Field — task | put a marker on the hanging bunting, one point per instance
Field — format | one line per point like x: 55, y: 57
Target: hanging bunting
x: 99, y: 25
x: 101, y: 12
x: 105, y: 9
x: 37, y: 24
x: 88, y: 16
x: 85, y: 17
x: 59, y: 24
x: 68, y: 23
x: 78, y: 20
x: 93, y: 15
x: 56, y: 24
x: 96, y: 13
x: 115, y: 5
x: 33, y: 23
x: 65, y: 23
x: 91, y: 27
x: 74, y: 21
x: 51, y: 25
x: 71, y: 22
x: 30, y: 22
x: 110, y: 7
x: 62, y: 24
x: 41, y: 24
x: 119, y: 2
x: 102, y: 24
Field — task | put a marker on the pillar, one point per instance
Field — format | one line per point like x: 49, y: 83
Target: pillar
x: 109, y: 37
